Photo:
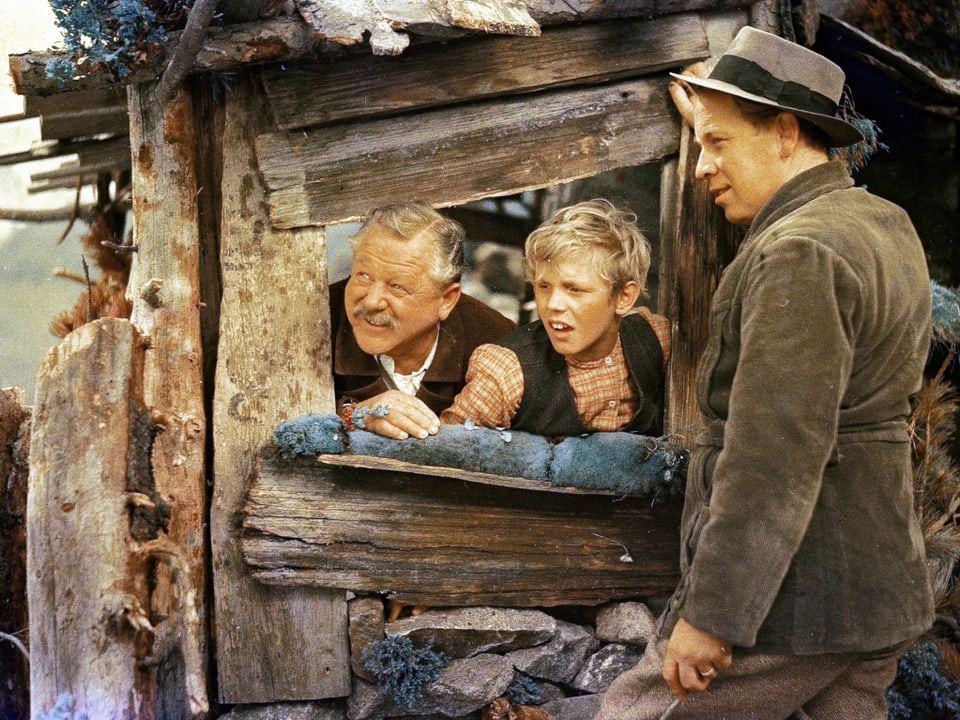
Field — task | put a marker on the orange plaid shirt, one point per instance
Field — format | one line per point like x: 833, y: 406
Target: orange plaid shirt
x: 605, y: 396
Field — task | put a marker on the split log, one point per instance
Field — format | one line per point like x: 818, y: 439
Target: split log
x: 458, y: 154
x: 164, y: 289
x: 480, y: 68
x: 273, y: 361
x: 440, y: 537
x: 90, y: 632
x: 550, y: 12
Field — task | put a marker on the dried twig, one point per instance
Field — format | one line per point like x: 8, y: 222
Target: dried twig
x: 16, y: 641
x: 75, y: 212
x: 86, y: 275
x: 190, y: 43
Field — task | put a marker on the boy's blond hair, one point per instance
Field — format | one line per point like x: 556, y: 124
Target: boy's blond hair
x: 620, y: 251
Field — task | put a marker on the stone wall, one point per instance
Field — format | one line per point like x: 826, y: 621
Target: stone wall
x: 555, y: 660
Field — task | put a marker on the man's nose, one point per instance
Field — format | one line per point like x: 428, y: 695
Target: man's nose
x: 705, y: 166
x: 376, y: 296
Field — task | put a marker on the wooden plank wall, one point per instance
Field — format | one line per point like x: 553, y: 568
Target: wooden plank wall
x: 273, y: 363
x: 437, y: 536
x: 528, y: 123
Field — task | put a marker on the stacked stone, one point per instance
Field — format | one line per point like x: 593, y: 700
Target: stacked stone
x: 571, y: 663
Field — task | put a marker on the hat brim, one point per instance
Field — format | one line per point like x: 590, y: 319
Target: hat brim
x: 840, y: 132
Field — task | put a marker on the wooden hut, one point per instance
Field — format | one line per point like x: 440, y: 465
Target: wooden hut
x: 148, y: 433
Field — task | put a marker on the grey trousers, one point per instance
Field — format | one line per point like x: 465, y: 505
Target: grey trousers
x: 842, y: 686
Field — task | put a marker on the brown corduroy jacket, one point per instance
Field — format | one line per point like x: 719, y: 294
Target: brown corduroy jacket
x: 799, y: 534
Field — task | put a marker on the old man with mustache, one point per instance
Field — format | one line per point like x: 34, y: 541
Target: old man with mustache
x: 401, y: 329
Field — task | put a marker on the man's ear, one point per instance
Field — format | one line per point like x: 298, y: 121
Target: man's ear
x: 788, y: 129
x: 448, y: 300
x: 627, y: 297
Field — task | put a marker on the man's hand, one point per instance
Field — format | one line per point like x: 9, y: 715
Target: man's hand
x: 408, y: 416
x: 693, y: 659
x: 683, y: 94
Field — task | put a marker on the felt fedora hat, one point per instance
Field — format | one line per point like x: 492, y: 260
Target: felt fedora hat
x: 771, y: 70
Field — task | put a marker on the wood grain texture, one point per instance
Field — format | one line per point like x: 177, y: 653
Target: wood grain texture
x: 86, y: 586
x: 477, y: 68
x: 163, y: 156
x: 457, y: 154
x: 431, y: 539
x: 273, y: 362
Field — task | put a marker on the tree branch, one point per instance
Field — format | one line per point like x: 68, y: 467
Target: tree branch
x: 190, y: 43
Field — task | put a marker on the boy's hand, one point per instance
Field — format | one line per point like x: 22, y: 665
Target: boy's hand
x: 693, y: 659
x: 408, y: 416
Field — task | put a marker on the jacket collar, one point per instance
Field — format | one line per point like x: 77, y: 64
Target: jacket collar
x: 798, y: 191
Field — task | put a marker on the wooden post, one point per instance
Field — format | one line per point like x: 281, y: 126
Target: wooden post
x: 90, y: 633
x: 694, y: 248
x: 164, y: 289
x: 273, y: 363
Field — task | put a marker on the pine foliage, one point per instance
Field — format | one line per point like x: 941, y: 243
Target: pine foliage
x: 921, y: 691
x: 926, y: 30
x: 937, y: 487
x: 114, y: 34
x: 403, y: 669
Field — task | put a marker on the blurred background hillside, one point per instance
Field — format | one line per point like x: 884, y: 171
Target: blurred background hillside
x: 30, y: 294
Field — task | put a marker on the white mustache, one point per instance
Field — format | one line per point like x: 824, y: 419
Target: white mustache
x: 380, y: 319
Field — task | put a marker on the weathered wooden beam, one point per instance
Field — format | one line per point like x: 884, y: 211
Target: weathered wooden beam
x: 388, y: 24
x: 434, y: 538
x: 67, y: 182
x: 290, y: 38
x: 552, y: 12
x: 478, y: 68
x: 94, y: 161
x: 273, y: 361
x: 226, y: 48
x: 431, y: 17
x: 454, y: 155
x: 84, y: 123
x: 82, y: 114
x: 73, y: 102
x: 164, y: 290
x: 90, y: 622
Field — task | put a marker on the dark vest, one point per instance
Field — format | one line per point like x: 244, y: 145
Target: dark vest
x: 548, y: 406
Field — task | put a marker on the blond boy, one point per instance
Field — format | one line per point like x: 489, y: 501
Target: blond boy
x: 593, y: 361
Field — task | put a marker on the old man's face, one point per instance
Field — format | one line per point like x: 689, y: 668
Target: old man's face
x: 393, y: 304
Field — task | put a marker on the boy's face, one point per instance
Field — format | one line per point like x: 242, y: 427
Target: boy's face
x: 578, y: 310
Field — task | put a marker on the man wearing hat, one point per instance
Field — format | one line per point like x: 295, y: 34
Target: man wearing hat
x: 802, y: 566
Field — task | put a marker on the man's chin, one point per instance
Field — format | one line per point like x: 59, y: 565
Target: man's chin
x: 374, y: 343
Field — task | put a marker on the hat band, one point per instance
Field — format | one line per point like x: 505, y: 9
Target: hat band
x: 752, y: 78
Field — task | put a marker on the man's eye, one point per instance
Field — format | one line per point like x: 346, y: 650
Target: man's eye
x: 398, y: 289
